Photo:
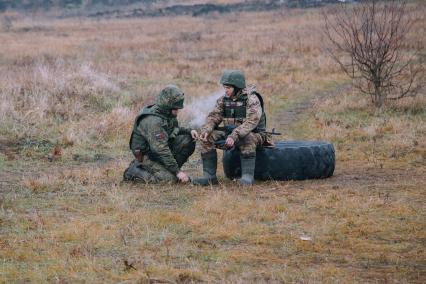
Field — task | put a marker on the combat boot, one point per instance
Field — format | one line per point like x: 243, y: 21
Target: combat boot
x: 135, y: 172
x: 209, y: 169
x: 248, y: 162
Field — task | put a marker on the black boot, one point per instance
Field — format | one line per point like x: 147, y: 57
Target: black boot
x: 209, y: 169
x: 135, y: 172
x: 248, y: 162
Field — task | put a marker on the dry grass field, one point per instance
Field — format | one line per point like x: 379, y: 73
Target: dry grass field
x: 69, y: 90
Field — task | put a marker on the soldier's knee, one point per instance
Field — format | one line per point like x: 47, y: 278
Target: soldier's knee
x: 249, y: 143
x: 184, y: 138
x: 248, y: 148
x: 207, y: 147
x: 186, y: 143
x: 248, y: 154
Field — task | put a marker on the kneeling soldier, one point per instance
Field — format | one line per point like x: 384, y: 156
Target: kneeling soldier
x: 159, y: 145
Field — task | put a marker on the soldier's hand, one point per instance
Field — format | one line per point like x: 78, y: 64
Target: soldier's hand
x: 194, y: 134
x: 229, y: 142
x: 203, y: 136
x: 182, y: 177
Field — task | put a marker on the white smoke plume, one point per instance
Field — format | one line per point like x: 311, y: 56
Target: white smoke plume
x: 196, y: 111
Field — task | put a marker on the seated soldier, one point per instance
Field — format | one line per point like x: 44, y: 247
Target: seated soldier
x: 159, y: 145
x: 241, y: 110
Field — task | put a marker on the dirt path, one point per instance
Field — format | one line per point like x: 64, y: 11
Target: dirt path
x: 288, y: 116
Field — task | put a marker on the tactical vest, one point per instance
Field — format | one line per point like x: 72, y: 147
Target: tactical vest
x: 137, y: 141
x: 237, y: 109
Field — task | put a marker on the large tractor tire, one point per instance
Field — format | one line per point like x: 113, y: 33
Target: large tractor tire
x: 288, y: 160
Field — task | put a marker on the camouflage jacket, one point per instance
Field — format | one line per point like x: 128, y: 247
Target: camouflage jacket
x: 244, y: 125
x: 152, y: 133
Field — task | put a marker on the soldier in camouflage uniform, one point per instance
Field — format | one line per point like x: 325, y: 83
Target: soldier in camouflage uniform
x: 159, y: 145
x: 241, y: 107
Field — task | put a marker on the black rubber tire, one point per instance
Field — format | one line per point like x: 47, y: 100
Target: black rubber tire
x: 288, y: 160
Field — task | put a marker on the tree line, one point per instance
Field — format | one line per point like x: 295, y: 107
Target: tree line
x: 28, y: 5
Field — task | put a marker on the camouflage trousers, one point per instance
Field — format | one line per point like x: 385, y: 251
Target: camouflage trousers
x: 152, y: 171
x: 247, y: 145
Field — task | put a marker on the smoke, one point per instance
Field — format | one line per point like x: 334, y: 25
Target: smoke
x: 196, y: 111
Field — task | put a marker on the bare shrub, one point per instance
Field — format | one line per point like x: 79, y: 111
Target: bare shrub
x: 6, y: 23
x: 369, y: 42
x: 190, y: 36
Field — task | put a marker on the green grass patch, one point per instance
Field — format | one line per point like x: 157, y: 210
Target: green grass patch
x: 143, y: 82
x: 348, y: 118
x: 415, y: 111
x: 2, y: 161
x: 128, y: 99
x: 102, y: 104
x: 302, y: 129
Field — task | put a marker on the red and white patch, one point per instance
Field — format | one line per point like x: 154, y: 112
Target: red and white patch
x: 160, y: 136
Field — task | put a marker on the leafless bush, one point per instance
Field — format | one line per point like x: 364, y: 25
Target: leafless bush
x: 369, y: 42
x: 190, y: 36
x: 6, y: 23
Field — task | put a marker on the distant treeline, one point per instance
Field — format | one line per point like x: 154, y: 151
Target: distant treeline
x: 244, y: 5
x: 63, y: 4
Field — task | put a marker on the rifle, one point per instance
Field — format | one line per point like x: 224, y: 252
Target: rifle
x: 220, y: 144
x: 230, y: 127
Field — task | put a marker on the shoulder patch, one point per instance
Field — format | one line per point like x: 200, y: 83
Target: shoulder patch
x: 160, y: 136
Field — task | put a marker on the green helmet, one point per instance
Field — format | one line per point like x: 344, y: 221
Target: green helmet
x: 234, y: 78
x: 171, y: 97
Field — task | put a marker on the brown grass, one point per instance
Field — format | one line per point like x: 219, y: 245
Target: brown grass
x: 69, y: 92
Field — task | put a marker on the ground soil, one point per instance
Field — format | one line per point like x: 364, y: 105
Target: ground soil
x: 385, y: 188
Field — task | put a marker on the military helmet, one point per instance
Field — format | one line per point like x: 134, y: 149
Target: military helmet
x: 171, y: 97
x: 234, y: 78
